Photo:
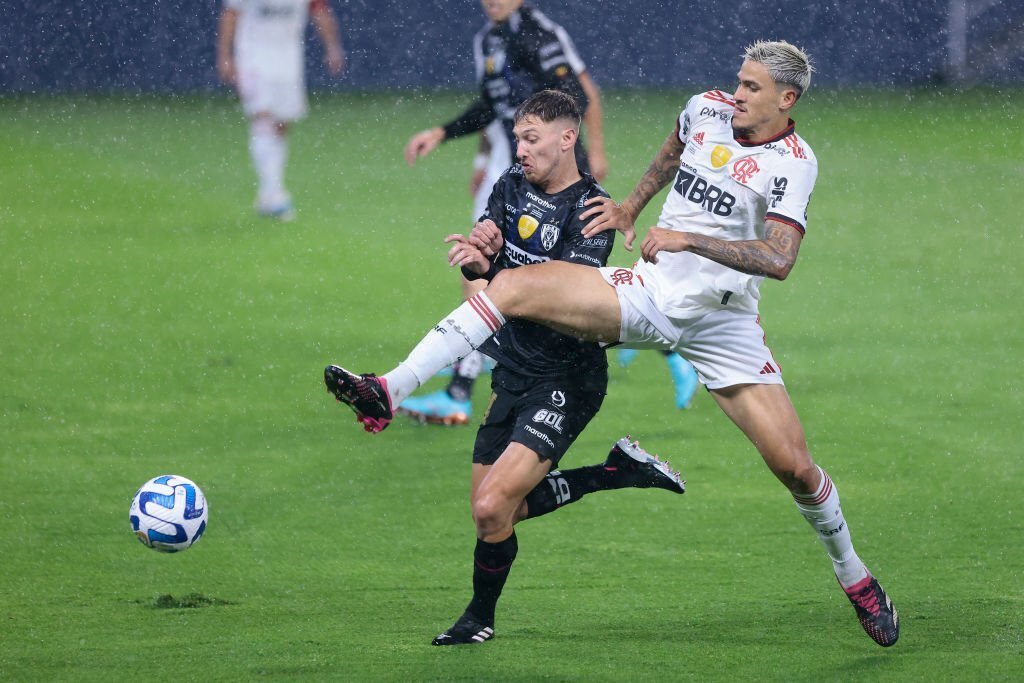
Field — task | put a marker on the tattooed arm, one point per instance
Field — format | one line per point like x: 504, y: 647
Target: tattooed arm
x: 607, y: 214
x: 773, y: 256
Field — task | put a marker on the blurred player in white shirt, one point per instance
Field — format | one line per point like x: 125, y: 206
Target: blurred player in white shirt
x: 735, y: 214
x: 260, y: 53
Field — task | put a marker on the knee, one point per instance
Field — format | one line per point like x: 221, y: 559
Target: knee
x: 792, y: 464
x: 800, y: 476
x: 489, y: 513
x: 506, y: 291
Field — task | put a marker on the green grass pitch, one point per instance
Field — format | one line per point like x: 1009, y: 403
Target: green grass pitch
x: 152, y: 324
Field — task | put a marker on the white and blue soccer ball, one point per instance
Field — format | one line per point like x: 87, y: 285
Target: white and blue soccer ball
x: 169, y: 513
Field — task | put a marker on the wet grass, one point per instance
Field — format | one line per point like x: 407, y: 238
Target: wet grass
x: 150, y: 323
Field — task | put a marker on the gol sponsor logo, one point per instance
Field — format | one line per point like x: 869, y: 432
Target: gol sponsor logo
x: 720, y: 156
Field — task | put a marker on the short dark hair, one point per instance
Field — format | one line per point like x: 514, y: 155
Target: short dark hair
x: 549, y: 105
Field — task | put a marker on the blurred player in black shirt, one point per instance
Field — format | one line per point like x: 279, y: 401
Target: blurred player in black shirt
x: 517, y: 53
x: 546, y: 386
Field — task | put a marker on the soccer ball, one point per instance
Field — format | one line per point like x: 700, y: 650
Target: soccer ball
x: 168, y: 513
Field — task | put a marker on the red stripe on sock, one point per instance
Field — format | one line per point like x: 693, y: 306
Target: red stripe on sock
x: 485, y: 313
x: 826, y: 491
x: 492, y: 570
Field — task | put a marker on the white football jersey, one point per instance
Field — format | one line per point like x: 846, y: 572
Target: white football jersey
x: 269, y: 37
x: 725, y: 189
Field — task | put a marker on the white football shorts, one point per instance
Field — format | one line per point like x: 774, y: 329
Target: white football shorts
x: 283, y: 99
x: 727, y: 347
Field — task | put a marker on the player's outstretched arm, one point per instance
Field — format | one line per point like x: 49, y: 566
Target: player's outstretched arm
x: 593, y: 119
x: 226, y: 26
x: 605, y: 214
x: 423, y: 143
x: 327, y: 28
x: 774, y: 256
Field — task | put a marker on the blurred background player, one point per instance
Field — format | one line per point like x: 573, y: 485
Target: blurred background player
x: 260, y: 53
x: 518, y: 52
x: 684, y: 377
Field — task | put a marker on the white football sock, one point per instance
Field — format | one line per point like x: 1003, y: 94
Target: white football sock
x: 457, y: 335
x: 269, y: 151
x: 822, y: 510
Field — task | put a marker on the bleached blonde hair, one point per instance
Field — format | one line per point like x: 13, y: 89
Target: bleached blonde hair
x: 786, y: 63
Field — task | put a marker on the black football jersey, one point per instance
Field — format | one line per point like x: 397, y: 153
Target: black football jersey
x: 539, y: 227
x: 514, y: 59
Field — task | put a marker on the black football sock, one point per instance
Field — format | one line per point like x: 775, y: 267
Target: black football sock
x: 491, y: 564
x: 464, y: 374
x: 460, y: 388
x: 560, y: 488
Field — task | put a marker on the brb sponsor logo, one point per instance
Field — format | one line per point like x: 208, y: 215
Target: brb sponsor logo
x: 550, y: 418
x: 699, y: 191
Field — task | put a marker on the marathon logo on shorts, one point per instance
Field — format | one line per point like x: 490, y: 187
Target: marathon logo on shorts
x: 550, y: 418
x: 699, y: 191
x: 523, y: 258
x: 540, y: 435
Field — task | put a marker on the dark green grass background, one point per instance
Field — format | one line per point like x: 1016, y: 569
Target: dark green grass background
x: 151, y: 324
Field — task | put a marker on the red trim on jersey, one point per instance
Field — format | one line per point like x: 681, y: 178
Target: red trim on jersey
x: 794, y: 147
x: 719, y: 96
x: 779, y: 218
x: 788, y: 130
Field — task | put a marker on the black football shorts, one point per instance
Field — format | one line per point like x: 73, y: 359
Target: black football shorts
x: 546, y: 416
